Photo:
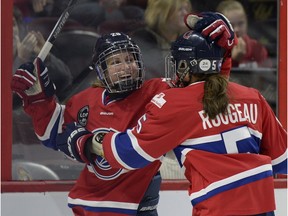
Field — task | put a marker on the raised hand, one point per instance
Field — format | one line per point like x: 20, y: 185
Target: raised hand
x: 26, y: 47
x: 215, y: 26
x: 32, y: 83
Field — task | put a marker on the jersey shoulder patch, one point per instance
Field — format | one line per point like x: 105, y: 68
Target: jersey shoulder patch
x: 159, y: 100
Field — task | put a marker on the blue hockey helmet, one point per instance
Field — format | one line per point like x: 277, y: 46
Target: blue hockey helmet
x: 192, y: 53
x: 110, y: 45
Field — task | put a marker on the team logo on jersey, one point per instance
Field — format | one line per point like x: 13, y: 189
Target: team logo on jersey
x: 82, y: 116
x: 159, y: 100
x: 104, y: 171
x: 101, y: 168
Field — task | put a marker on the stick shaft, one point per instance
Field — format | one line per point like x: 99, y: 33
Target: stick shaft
x: 56, y: 30
x: 49, y: 44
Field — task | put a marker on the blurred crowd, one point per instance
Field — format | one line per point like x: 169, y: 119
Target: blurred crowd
x: 152, y: 24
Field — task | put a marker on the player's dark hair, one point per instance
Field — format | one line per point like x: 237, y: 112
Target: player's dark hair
x: 215, y: 99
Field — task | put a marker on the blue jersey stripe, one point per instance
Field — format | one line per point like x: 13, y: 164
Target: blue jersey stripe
x: 51, y: 142
x: 126, y: 152
x: 106, y: 209
x: 232, y: 185
x: 280, y: 168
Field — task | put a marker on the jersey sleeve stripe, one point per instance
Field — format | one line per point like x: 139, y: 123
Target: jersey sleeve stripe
x: 54, y: 127
x: 280, y: 159
x: 57, y: 115
x: 137, y: 147
x: 280, y: 164
x: 127, y: 151
x: 115, y: 153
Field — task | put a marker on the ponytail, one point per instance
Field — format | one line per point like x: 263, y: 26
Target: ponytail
x: 215, y: 99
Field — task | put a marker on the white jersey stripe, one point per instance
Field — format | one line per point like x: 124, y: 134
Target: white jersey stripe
x: 255, y: 133
x: 231, y: 179
x: 202, y: 140
x: 137, y: 147
x: 59, y: 110
x: 106, y: 204
x: 214, y: 138
x: 280, y: 159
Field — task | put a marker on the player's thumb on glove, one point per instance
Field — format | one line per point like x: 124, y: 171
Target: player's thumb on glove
x: 191, y: 19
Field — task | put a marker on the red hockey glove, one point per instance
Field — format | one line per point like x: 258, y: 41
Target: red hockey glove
x: 74, y: 142
x: 215, y: 26
x: 27, y: 85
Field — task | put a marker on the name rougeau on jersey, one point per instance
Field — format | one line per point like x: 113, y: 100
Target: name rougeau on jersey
x: 236, y: 113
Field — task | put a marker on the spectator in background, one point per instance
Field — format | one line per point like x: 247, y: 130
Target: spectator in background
x: 118, y: 9
x: 139, y: 3
x: 43, y: 8
x: 163, y: 24
x: 249, y: 52
x: 35, y: 8
x: 94, y: 13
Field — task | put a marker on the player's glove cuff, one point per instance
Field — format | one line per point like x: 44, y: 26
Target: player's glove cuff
x: 74, y: 142
x: 32, y: 83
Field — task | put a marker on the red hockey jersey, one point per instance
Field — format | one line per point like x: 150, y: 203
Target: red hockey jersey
x: 224, y: 158
x: 100, y: 188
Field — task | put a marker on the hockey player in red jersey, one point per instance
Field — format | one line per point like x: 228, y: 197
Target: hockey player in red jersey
x: 114, y: 103
x: 224, y: 134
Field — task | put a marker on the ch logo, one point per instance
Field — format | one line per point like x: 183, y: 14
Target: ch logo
x: 104, y: 171
x: 101, y: 167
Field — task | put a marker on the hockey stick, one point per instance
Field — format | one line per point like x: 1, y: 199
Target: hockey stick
x: 49, y: 43
x: 56, y: 30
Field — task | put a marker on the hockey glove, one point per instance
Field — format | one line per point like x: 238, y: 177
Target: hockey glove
x: 74, y: 142
x: 32, y: 83
x: 215, y: 26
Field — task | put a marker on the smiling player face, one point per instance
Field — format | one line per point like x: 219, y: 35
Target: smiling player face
x: 121, y: 66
